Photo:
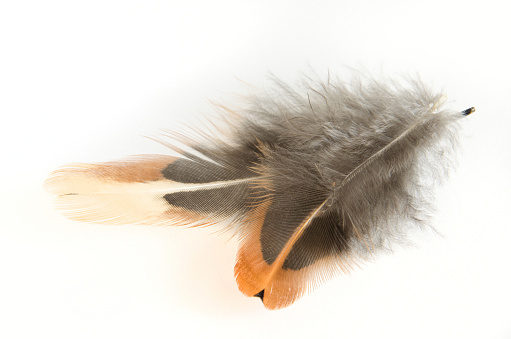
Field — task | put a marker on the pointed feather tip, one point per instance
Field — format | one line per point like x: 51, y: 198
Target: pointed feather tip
x: 260, y: 295
x: 468, y: 111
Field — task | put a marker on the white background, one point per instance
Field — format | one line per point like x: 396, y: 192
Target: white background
x: 84, y: 81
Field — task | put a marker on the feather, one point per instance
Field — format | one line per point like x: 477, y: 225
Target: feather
x: 315, y: 180
x: 150, y: 190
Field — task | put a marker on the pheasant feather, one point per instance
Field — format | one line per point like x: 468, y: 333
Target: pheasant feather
x: 314, y: 179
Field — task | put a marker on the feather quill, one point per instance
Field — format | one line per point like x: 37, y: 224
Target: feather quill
x: 315, y: 180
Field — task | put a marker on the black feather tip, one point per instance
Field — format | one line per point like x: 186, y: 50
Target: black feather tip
x: 468, y: 111
x: 260, y: 295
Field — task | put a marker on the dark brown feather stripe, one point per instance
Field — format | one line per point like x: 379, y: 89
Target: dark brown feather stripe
x: 220, y: 201
x: 325, y: 236
x: 202, y: 171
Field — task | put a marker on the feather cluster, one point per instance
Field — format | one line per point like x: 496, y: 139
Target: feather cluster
x: 315, y: 179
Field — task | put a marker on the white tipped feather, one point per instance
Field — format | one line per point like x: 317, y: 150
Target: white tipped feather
x: 106, y: 193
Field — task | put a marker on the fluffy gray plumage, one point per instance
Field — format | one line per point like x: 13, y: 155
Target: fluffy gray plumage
x: 370, y: 149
